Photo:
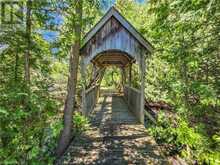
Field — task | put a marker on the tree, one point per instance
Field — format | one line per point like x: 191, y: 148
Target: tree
x: 28, y: 49
x: 18, y: 125
x: 66, y: 134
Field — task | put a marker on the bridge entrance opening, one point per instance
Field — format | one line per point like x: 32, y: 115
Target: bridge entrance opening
x: 111, y: 82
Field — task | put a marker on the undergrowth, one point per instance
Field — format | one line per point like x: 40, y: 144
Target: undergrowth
x: 178, y: 138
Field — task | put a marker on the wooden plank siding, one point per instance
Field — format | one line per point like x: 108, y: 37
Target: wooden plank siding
x: 113, y: 12
x: 112, y: 37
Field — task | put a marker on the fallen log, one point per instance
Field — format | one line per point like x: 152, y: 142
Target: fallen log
x: 155, y: 107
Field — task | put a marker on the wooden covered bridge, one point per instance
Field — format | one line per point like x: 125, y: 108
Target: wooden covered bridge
x: 117, y: 134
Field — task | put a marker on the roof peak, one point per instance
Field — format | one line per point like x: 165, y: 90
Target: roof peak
x: 124, y: 22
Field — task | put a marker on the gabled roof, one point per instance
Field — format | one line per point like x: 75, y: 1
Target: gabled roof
x: 112, y: 12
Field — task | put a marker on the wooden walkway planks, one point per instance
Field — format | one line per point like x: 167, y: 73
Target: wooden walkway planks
x: 115, y: 137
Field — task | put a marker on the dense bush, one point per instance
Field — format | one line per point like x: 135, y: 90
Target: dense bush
x: 80, y: 123
x: 24, y: 132
x: 30, y: 137
x: 181, y: 139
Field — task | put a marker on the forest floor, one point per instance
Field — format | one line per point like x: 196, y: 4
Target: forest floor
x: 114, y: 137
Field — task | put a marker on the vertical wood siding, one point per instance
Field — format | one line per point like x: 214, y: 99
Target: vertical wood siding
x: 112, y: 36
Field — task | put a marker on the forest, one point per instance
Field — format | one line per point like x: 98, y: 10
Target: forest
x: 41, y: 79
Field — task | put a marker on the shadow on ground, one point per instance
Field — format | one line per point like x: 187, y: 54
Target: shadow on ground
x: 115, y: 138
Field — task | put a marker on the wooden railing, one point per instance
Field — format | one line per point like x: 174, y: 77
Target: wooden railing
x: 133, y: 99
x: 91, y: 97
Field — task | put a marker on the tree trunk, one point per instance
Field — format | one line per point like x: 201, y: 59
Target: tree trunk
x: 66, y: 134
x: 27, y: 53
x: 16, y: 67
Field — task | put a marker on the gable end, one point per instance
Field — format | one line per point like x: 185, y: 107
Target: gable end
x: 114, y: 13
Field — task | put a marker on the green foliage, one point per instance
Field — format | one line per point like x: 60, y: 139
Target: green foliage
x: 23, y: 132
x: 25, y: 117
x: 179, y: 138
x: 80, y: 123
x: 112, y: 78
x: 211, y: 158
x: 179, y: 133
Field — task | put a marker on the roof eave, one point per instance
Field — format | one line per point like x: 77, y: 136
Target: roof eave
x: 114, y: 12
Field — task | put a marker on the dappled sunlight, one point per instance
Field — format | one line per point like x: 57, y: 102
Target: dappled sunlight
x: 115, y: 137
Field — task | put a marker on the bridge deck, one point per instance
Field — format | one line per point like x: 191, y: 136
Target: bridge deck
x: 115, y: 137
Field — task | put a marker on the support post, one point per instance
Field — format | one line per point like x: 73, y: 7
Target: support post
x: 83, y: 85
x: 101, y: 75
x: 129, y: 82
x: 143, y: 72
x: 94, y: 71
x: 123, y: 77
x: 130, y: 74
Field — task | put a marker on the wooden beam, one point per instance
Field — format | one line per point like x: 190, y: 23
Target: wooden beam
x: 83, y: 77
x: 130, y: 74
x: 123, y: 76
x: 143, y: 71
x: 112, y: 58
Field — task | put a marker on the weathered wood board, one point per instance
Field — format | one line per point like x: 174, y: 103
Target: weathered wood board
x: 113, y: 37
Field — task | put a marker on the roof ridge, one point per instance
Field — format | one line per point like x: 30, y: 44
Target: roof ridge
x: 113, y: 12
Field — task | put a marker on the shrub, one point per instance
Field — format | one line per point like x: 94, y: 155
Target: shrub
x: 179, y: 138
x: 80, y: 123
x: 27, y: 136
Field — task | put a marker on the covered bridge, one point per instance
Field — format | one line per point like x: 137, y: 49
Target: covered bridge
x: 114, y: 41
